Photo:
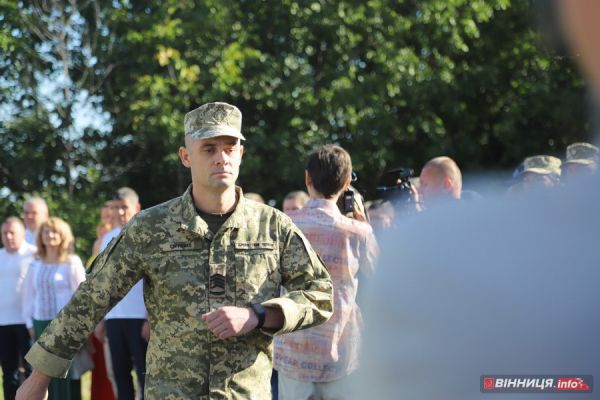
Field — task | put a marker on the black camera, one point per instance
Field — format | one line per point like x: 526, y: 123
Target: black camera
x: 399, y: 195
x: 346, y: 201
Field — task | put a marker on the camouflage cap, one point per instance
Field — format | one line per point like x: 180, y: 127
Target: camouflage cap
x: 214, y: 119
x: 542, y: 165
x: 582, y: 153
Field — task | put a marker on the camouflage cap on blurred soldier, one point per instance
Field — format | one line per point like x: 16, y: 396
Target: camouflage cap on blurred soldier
x: 582, y: 159
x: 541, y: 171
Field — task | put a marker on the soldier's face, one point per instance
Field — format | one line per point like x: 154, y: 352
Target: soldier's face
x: 531, y: 180
x: 573, y: 171
x: 214, y: 162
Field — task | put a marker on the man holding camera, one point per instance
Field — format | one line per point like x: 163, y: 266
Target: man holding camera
x: 316, y: 363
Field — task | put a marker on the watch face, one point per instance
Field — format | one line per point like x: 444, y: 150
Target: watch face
x: 261, y: 313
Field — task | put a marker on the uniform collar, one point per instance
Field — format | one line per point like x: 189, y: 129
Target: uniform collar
x: 191, y: 221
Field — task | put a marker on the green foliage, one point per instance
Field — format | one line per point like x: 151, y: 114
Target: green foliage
x: 395, y: 83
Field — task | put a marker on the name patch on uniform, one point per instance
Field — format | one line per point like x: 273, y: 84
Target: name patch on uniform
x: 218, y: 275
x: 178, y: 246
x: 254, y: 245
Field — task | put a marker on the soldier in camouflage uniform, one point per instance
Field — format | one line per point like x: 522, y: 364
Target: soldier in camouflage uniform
x: 582, y: 159
x: 212, y: 264
x: 540, y: 172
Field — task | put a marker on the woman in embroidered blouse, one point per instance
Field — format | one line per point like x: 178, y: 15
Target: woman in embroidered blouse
x: 50, y: 282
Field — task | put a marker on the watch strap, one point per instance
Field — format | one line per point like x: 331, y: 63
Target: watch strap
x: 260, y: 313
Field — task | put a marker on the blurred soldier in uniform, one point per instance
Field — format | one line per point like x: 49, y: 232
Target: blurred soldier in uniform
x: 504, y: 287
x: 540, y: 172
x: 582, y: 160
x: 212, y: 265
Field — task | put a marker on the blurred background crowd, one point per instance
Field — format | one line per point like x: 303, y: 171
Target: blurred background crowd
x: 480, y: 98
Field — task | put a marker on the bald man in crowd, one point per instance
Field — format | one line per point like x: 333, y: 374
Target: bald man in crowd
x: 440, y: 181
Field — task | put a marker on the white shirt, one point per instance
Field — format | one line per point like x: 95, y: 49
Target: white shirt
x: 132, y: 305
x: 30, y: 236
x: 13, y: 269
x: 49, y: 287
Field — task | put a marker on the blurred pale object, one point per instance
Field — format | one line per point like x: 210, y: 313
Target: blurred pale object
x: 507, y: 286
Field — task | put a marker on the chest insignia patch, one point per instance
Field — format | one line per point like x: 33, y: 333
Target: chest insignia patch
x: 218, y: 274
x: 179, y: 246
x: 254, y: 245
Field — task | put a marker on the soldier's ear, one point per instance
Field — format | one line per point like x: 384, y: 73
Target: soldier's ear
x: 184, y: 155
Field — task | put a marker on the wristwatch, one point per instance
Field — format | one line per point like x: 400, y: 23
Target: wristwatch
x: 260, y: 313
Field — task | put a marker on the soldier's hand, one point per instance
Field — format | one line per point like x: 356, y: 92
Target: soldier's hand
x: 35, y: 387
x: 231, y: 321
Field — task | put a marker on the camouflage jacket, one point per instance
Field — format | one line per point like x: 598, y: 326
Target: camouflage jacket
x: 188, y: 271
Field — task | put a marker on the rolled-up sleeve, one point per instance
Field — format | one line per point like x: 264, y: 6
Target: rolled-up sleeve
x: 309, y: 298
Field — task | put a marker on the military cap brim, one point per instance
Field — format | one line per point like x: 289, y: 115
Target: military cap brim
x: 207, y: 132
x: 541, y: 171
x: 582, y: 161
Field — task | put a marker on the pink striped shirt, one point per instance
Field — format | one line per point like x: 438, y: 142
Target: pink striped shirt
x: 329, y: 351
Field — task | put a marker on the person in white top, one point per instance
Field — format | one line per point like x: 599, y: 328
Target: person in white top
x: 15, y: 258
x: 35, y: 212
x: 126, y: 325
x: 50, y: 282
